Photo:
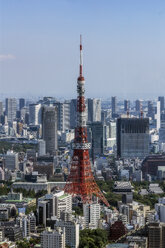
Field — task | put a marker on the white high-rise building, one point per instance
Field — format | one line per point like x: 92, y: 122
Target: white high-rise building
x: 52, y: 205
x: 91, y: 215
x: 11, y: 109
x: 53, y: 238
x: 35, y: 114
x: 63, y: 115
x: 71, y: 229
x: 94, y: 110
x: 63, y: 202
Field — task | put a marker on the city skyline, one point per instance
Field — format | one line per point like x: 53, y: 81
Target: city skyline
x: 123, y: 48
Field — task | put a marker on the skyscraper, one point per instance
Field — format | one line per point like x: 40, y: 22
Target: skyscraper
x: 35, y: 114
x: 73, y: 113
x: 126, y: 105
x: 132, y: 137
x: 161, y: 99
x: 11, y: 109
x: 21, y: 103
x: 150, y: 109
x: 1, y: 108
x: 1, y: 112
x: 94, y: 109
x: 97, y: 129
x: 49, y: 128
x: 158, y: 115
x: 114, y: 105
x: 138, y: 105
x: 63, y: 109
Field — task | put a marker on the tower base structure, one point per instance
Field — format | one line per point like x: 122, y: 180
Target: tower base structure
x: 81, y: 181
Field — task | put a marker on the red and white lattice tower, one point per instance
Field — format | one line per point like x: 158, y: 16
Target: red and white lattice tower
x: 80, y: 180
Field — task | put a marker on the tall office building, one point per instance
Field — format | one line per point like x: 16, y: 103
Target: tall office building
x: 11, y: 109
x: 98, y: 138
x: 1, y: 112
x: 114, y: 105
x: 1, y: 108
x: 150, y: 109
x: 49, y: 128
x: 126, y: 105
x: 161, y: 99
x: 138, y: 105
x: 24, y: 115
x: 156, y: 235
x: 132, y: 137
x: 111, y: 140
x: 34, y: 114
x: 73, y: 113
x: 94, y: 109
x: 21, y: 103
x: 158, y: 115
x: 162, y: 129
x: 91, y: 214
x: 63, y: 109
x: 53, y: 238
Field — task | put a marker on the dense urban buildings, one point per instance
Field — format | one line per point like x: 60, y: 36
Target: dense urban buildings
x: 125, y: 146
x: 63, y: 162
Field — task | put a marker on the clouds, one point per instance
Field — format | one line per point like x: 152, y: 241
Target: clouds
x: 4, y: 57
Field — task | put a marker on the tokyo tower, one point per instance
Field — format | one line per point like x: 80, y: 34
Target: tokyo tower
x: 81, y: 181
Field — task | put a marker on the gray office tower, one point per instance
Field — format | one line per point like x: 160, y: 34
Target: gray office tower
x: 162, y: 129
x: 1, y: 112
x: 94, y: 109
x: 49, y: 128
x: 73, y: 113
x: 126, y: 105
x: 150, y: 109
x: 138, y: 105
x: 63, y: 109
x: 132, y: 137
x: 114, y: 105
x: 21, y: 103
x: 97, y: 129
x: 11, y: 109
x: 161, y: 99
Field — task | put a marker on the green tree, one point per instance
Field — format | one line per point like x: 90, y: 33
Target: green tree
x: 97, y: 238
